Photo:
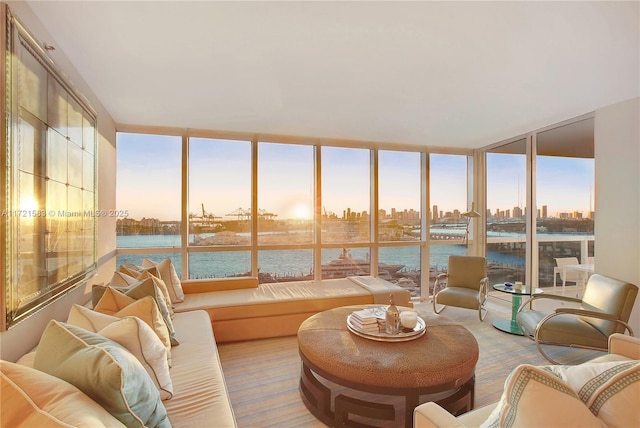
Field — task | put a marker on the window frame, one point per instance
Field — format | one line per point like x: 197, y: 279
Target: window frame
x: 16, y: 306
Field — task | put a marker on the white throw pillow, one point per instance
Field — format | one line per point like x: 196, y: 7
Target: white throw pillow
x: 169, y: 275
x: 611, y: 389
x: 117, y: 304
x: 135, y: 335
x: 534, y: 397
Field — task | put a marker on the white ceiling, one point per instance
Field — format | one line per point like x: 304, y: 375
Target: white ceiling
x: 459, y: 74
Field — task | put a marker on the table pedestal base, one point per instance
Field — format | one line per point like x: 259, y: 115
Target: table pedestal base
x: 508, y: 326
x: 332, y: 400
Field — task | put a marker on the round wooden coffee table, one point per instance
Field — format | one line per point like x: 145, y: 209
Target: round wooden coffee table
x: 348, y: 379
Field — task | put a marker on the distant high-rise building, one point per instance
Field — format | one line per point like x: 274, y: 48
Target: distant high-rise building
x: 517, y: 212
x: 544, y: 211
x: 435, y: 213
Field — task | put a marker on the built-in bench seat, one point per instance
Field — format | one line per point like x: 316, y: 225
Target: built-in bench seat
x: 242, y: 309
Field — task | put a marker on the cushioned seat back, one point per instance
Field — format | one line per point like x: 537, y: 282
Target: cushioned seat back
x: 466, y: 271
x: 611, y: 296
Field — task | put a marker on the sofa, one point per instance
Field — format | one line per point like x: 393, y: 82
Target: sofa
x: 604, y: 391
x: 143, y: 351
x: 199, y: 394
x: 241, y: 309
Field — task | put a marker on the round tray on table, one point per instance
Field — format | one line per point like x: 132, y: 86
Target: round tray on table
x: 403, y: 336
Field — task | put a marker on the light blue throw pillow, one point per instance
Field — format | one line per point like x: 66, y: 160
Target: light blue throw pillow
x: 103, y: 370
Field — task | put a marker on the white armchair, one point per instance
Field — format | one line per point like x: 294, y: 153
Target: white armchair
x: 621, y: 348
x: 577, y: 277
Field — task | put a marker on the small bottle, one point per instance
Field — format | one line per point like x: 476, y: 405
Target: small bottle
x: 392, y: 319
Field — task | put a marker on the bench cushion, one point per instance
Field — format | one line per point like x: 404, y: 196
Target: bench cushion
x: 200, y: 395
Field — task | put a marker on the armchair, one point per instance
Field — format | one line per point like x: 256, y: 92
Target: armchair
x: 465, y: 285
x: 603, y: 310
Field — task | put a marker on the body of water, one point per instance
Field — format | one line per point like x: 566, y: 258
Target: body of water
x: 290, y: 262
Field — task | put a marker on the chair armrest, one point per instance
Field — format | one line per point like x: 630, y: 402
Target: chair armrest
x: 431, y: 415
x: 627, y: 346
x: 437, y: 284
x: 586, y: 313
x: 484, y: 286
x: 548, y: 296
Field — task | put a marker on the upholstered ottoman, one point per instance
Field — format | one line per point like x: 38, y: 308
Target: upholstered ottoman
x: 348, y: 377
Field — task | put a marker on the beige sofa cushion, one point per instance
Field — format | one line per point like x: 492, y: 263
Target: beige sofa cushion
x: 31, y: 398
x: 285, y: 298
x: 200, y: 394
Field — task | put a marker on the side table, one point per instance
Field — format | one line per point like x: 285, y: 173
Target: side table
x: 511, y: 326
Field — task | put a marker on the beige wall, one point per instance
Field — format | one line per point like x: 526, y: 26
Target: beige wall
x: 617, y: 203
x: 23, y: 336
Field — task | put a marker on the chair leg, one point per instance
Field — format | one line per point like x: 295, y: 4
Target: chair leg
x: 482, y: 312
x: 435, y: 308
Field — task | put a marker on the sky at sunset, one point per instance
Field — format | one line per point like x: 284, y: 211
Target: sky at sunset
x: 149, y: 179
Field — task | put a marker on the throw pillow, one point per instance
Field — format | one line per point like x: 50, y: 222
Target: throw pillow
x: 135, y: 335
x: 89, y: 320
x: 134, y: 270
x: 168, y: 274
x: 121, y: 280
x: 117, y: 304
x: 103, y: 370
x: 32, y: 398
x: 138, y: 338
x: 609, y: 389
x: 533, y: 397
x: 146, y: 287
x: 161, y: 285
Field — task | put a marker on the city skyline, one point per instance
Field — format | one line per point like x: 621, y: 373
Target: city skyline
x: 149, y: 170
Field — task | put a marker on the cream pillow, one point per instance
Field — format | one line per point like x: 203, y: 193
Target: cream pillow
x: 161, y: 285
x: 611, y: 389
x: 142, y: 288
x: 83, y: 317
x: 534, y: 397
x: 121, y: 279
x: 133, y: 270
x: 135, y: 335
x: 169, y: 275
x: 32, y: 398
x: 117, y: 304
x: 103, y: 370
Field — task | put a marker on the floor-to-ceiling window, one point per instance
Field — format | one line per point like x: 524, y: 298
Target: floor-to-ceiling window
x: 286, y: 177
x: 551, y: 170
x: 506, y: 209
x: 564, y: 195
x: 399, y: 219
x: 449, y: 228
x: 148, y: 167
x: 346, y: 203
x: 219, y: 201
x: 288, y: 211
